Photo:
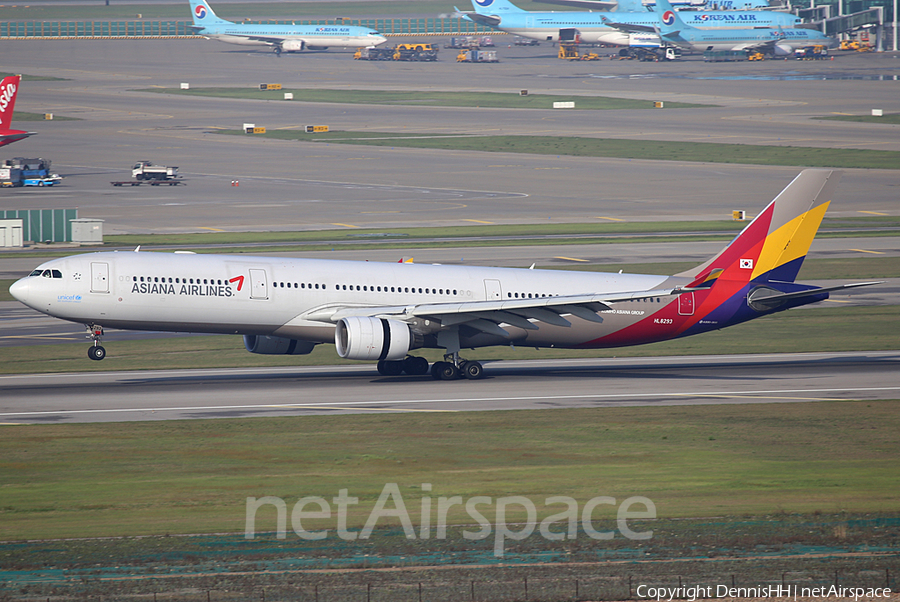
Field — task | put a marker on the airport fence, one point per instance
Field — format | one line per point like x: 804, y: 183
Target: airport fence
x: 182, y: 29
x: 442, y: 586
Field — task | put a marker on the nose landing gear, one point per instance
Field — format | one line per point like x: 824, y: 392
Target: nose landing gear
x: 96, y: 351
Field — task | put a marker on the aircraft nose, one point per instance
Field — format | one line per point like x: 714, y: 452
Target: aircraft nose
x: 21, y: 290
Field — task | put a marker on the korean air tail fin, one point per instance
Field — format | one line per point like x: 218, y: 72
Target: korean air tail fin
x: 773, y: 246
x: 493, y: 7
x: 204, y: 15
x: 670, y: 22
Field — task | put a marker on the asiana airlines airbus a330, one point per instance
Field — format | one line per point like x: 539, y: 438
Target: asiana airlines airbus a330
x: 384, y: 311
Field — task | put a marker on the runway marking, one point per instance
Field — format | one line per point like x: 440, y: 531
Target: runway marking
x: 211, y: 229
x: 573, y: 259
x: 480, y: 400
x: 291, y: 405
x: 612, y: 219
x: 865, y: 251
x: 873, y: 213
x: 477, y: 221
x: 380, y: 212
x: 345, y: 225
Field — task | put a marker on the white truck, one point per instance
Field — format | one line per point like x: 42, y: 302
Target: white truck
x: 145, y: 170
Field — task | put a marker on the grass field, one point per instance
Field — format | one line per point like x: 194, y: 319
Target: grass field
x: 888, y: 119
x: 660, y: 150
x: 502, y: 100
x: 90, y: 480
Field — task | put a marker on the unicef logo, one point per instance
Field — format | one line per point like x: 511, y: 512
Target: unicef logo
x: 484, y: 3
x: 200, y: 11
x: 668, y: 17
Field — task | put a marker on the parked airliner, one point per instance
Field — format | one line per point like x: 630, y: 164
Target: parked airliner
x: 593, y: 27
x: 9, y: 87
x: 382, y: 311
x: 769, y: 40
x: 286, y: 38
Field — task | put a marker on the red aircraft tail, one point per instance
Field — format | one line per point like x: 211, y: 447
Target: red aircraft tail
x: 8, y: 89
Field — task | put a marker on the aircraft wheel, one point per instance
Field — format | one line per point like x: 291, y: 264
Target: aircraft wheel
x: 444, y: 371
x: 390, y: 368
x: 415, y: 366
x: 96, y: 353
x: 472, y: 370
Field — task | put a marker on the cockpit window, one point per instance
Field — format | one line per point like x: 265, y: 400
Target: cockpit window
x: 57, y: 274
x: 36, y: 273
x: 47, y: 274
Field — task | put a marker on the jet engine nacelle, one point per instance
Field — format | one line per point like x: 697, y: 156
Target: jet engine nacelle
x: 360, y: 338
x: 292, y: 45
x: 276, y: 345
x: 783, y: 50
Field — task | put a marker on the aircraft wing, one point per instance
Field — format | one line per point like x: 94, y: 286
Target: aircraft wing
x: 629, y: 27
x: 487, y: 316
x: 489, y: 20
x: 758, y: 46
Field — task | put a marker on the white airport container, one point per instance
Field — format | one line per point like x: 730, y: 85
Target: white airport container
x: 10, y: 233
x: 87, y: 230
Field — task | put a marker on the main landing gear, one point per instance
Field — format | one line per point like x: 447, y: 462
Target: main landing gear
x: 414, y: 366
x: 95, y: 351
x: 452, y: 368
x: 456, y: 368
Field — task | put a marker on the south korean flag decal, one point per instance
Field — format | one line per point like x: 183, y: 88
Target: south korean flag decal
x: 746, y: 264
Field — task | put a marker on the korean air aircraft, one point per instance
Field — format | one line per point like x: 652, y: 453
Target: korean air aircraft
x: 769, y: 40
x: 9, y: 87
x: 383, y: 311
x: 593, y: 27
x: 284, y: 38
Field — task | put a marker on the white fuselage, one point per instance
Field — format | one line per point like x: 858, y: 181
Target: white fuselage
x: 286, y: 297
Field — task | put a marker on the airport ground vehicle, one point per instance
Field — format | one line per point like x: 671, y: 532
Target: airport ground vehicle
x: 756, y: 56
x: 477, y: 56
x: 723, y: 56
x: 27, y: 172
x: 155, y: 175
x: 374, y: 54
x: 857, y: 45
x: 419, y: 51
x: 650, y: 54
x: 811, y: 53
x: 569, y: 51
x: 520, y: 41
x: 145, y: 170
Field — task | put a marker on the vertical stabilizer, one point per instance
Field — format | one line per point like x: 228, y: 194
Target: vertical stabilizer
x: 8, y: 89
x: 204, y: 15
x: 773, y: 246
x: 495, y: 7
x: 669, y: 21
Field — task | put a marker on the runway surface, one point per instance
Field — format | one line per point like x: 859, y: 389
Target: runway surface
x: 547, y: 384
x: 302, y: 185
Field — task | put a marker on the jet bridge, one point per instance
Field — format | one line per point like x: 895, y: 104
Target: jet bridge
x: 833, y: 26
